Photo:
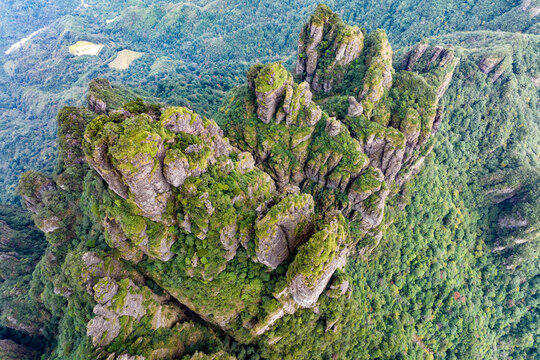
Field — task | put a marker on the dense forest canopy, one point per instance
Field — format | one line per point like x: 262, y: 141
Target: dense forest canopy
x: 398, y: 202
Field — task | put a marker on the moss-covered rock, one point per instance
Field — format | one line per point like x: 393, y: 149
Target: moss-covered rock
x: 316, y: 262
x: 179, y: 233
x: 273, y: 82
x: 378, y: 77
x: 283, y: 229
x: 326, y: 46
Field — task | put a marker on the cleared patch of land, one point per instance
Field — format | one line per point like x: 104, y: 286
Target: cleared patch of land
x: 81, y: 48
x: 124, y: 59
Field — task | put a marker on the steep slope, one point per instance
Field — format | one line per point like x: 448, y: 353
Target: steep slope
x: 239, y: 236
x: 459, y: 291
x: 21, y: 247
x: 297, y: 225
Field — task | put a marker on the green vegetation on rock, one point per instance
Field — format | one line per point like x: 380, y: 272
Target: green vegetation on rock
x: 380, y: 204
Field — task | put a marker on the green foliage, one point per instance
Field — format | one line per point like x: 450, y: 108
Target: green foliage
x: 271, y: 77
x: 454, y: 276
x: 322, y: 248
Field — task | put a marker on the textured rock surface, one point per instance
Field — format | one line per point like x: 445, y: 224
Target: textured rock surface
x: 378, y: 78
x: 283, y: 229
x: 178, y: 171
x: 124, y: 308
x: 316, y: 262
x: 271, y: 85
x: 326, y: 40
x: 235, y: 234
x: 380, y: 143
x: 487, y: 64
x: 355, y: 108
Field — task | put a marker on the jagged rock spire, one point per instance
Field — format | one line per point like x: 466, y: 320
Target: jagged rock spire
x: 326, y: 46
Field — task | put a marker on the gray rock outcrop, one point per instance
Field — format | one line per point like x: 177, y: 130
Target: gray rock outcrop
x: 283, y: 229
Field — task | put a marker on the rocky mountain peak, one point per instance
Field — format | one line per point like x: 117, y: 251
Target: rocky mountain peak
x: 245, y: 219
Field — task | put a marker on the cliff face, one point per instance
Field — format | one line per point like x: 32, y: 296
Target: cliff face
x: 21, y: 246
x: 171, y: 224
x: 325, y: 49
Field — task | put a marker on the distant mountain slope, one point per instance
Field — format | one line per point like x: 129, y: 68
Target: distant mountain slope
x: 20, y: 18
x: 204, y: 45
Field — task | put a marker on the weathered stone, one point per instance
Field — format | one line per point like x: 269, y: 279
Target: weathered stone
x: 305, y: 296
x: 96, y: 105
x: 340, y: 287
x: 342, y: 45
x: 49, y: 225
x: 229, y: 240
x: 105, y: 290
x: 38, y: 185
x: 117, y: 239
x: 315, y: 263
x: 184, y: 121
x: 142, y: 172
x: 350, y: 48
x: 372, y: 211
x: 355, y: 108
x: 99, y: 161
x: 103, y: 331
x: 284, y: 228
x: 435, y: 54
x: 308, y: 64
x: 133, y: 305
x: 512, y: 221
x: 263, y: 326
x: 175, y: 167
x: 412, y: 171
x: 25, y: 325
x: 364, y: 186
x: 244, y: 163
x: 333, y: 126
x: 271, y: 84
x: 131, y: 357
x: 379, y: 70
x: 165, y: 317
x: 416, y: 54
x: 488, y: 63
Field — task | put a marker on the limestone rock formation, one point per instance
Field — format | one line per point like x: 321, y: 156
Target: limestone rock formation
x: 283, y: 229
x: 376, y: 141
x: 378, y: 78
x: 190, y: 230
x: 271, y: 85
x: 316, y: 262
x: 326, y: 40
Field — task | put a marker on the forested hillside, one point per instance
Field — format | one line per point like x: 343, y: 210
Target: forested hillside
x: 375, y: 195
x: 193, y: 52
